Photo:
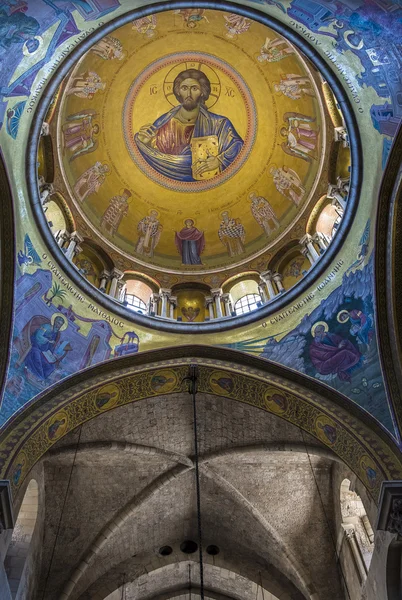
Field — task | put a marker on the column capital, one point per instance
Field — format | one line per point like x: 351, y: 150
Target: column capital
x: 64, y: 235
x: 165, y: 292
x: 277, y: 276
x: 116, y: 273
x: 217, y: 292
x: 76, y: 237
x: 266, y: 275
x: 105, y: 274
x: 209, y: 300
x: 306, y: 239
x: 173, y: 300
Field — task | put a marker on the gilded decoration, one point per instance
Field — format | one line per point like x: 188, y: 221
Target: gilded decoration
x: 363, y: 450
x: 184, y: 160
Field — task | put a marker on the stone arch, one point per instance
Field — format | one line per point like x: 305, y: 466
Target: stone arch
x: 19, y: 547
x: 313, y: 407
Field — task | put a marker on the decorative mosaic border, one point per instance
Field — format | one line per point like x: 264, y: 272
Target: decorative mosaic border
x: 323, y: 413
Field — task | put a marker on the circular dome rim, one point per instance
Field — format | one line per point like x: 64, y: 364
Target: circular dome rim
x: 228, y: 323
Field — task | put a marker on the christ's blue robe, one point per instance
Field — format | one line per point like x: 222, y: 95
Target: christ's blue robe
x: 179, y: 166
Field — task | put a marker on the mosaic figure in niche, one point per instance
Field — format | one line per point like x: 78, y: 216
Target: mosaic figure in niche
x: 301, y: 139
x: 149, y: 232
x: 232, y: 234
x: 332, y: 355
x: 79, y: 134
x: 146, y: 26
x: 85, y: 85
x: 192, y: 16
x: 189, y: 142
x: 117, y: 209
x: 91, y: 180
x: 294, y: 86
x: 288, y: 183
x: 108, y: 48
x: 274, y: 50
x: 190, y: 243
x: 236, y: 25
x: 263, y: 213
x: 39, y: 346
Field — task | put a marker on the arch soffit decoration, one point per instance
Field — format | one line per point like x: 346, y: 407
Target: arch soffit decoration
x: 388, y: 274
x: 346, y: 430
x: 356, y: 155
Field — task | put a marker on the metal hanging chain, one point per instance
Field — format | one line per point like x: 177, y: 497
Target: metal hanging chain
x: 337, y: 556
x: 61, y: 514
x: 192, y: 389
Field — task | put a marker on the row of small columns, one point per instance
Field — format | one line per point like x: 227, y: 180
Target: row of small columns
x: 218, y: 305
x: 270, y: 285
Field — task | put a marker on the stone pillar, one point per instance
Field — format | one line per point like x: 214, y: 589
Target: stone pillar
x: 350, y: 534
x: 277, y: 277
x: 341, y: 135
x: 172, y: 306
x: 307, y: 242
x: 153, y: 304
x: 45, y: 191
x: 164, y: 294
x: 227, y: 302
x: 209, y: 303
x: 104, y: 278
x: 62, y: 237
x: 217, y: 295
x: 334, y: 193
x: 306, y: 253
x: 262, y: 291
x: 121, y: 290
x: 321, y: 240
x: 116, y: 276
x: 266, y: 278
x: 73, y: 249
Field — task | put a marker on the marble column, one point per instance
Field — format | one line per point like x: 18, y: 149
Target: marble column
x: 209, y: 303
x: 227, y: 302
x: 262, y: 291
x: 172, y: 306
x: 45, y: 129
x: 104, y: 278
x: 116, y: 276
x: 121, y: 290
x: 62, y: 237
x: 307, y: 242
x: 277, y: 277
x: 266, y: 278
x: 321, y: 240
x: 153, y: 304
x: 164, y: 295
x: 334, y: 193
x: 217, y: 295
x: 306, y: 253
x: 73, y: 249
x: 350, y: 534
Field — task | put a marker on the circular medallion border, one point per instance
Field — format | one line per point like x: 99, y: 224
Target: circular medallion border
x: 212, y: 62
x: 232, y: 322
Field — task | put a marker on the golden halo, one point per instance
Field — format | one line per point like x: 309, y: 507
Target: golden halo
x: 200, y: 66
x: 314, y: 327
x: 189, y: 219
x: 65, y: 322
x: 342, y: 312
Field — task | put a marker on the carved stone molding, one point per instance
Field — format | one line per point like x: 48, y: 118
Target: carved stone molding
x: 390, y: 509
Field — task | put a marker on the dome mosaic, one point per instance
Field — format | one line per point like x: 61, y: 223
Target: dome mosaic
x: 194, y: 146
